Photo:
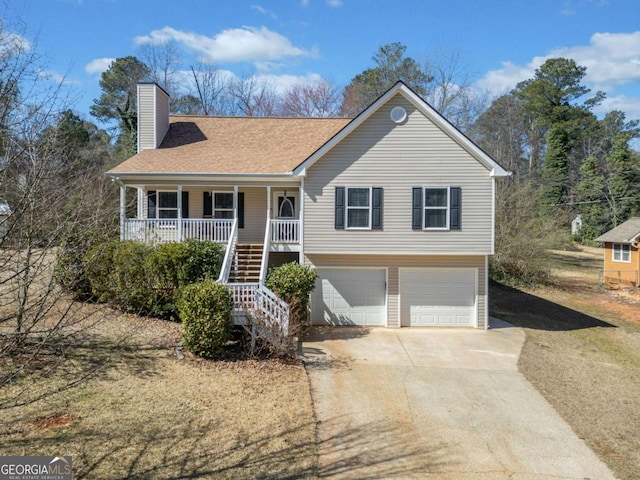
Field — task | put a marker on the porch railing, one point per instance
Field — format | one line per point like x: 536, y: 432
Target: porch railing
x: 285, y: 230
x: 259, y: 300
x: 161, y: 230
x: 230, y: 254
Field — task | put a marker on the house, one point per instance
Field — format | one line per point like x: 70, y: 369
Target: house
x: 621, y: 258
x: 576, y: 224
x: 394, y: 208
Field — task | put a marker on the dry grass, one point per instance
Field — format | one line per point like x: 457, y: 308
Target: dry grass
x: 149, y: 411
x: 583, y: 354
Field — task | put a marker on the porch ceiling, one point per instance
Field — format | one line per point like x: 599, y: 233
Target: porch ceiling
x: 233, y: 145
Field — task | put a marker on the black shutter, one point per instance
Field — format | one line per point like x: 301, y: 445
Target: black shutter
x: 417, y: 213
x: 151, y: 204
x: 455, y: 194
x: 240, y: 209
x: 339, y: 221
x: 207, y: 205
x: 376, y: 210
x: 185, y: 204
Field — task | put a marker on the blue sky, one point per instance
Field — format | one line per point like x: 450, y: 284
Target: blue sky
x: 500, y: 42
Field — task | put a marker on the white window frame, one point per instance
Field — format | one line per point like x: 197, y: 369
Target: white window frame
x: 347, y: 208
x: 213, y: 204
x: 166, y: 209
x: 623, y: 250
x: 425, y: 208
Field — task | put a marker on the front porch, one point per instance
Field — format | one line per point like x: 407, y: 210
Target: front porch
x: 285, y: 233
x: 175, y: 213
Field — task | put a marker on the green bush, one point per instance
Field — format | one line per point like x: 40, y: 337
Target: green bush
x: 203, y: 262
x: 147, y: 279
x: 205, y: 310
x: 131, y: 278
x: 293, y: 283
x: 98, y: 270
x: 71, y: 269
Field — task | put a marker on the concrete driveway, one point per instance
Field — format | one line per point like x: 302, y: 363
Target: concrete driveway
x: 435, y: 403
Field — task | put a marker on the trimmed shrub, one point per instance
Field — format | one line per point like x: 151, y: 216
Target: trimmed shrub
x: 205, y: 310
x: 203, y: 262
x: 293, y: 283
x: 147, y: 279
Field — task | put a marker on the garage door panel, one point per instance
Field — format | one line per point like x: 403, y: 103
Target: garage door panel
x: 349, y: 297
x: 437, y: 297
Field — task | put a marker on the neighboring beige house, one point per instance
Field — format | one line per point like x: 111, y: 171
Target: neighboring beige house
x: 621, y: 257
x: 394, y: 208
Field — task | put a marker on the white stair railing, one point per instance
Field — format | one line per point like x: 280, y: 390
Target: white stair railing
x: 225, y: 270
x: 264, y: 266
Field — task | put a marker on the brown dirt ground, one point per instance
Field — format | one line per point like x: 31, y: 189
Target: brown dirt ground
x: 583, y: 353
x: 149, y: 411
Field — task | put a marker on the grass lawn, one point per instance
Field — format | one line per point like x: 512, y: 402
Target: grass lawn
x: 148, y: 411
x: 582, y: 352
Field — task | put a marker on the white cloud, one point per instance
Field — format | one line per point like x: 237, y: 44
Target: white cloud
x: 57, y: 77
x: 629, y: 105
x: 612, y: 59
x: 14, y: 43
x: 304, y: 3
x: 98, y: 65
x: 246, y: 44
x: 282, y: 83
x: 334, y: 3
x: 264, y: 11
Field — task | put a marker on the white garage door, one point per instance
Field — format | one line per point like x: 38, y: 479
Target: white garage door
x: 349, y: 297
x: 445, y: 298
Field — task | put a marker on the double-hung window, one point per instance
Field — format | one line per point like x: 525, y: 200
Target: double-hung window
x: 167, y: 204
x: 436, y: 208
x: 223, y: 205
x: 358, y: 207
x: 621, y: 253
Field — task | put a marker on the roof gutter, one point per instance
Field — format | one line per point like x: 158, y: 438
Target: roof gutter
x: 200, y: 176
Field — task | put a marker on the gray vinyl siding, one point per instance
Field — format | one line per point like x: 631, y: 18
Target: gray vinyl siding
x: 255, y: 215
x: 162, y: 115
x: 146, y: 117
x: 397, y: 157
x: 394, y: 262
x: 153, y: 116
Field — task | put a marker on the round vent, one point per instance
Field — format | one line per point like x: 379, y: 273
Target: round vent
x: 398, y: 114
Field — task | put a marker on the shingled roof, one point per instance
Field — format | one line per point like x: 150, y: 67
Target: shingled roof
x: 234, y: 145
x: 624, y: 233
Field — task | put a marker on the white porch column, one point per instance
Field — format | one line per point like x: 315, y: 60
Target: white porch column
x: 180, y: 213
x: 269, y: 201
x: 123, y: 211
x: 140, y: 203
x: 235, y: 202
x: 301, y: 222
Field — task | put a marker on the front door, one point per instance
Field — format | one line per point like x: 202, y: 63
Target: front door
x: 286, y: 206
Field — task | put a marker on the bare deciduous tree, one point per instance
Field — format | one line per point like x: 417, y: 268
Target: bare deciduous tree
x: 210, y: 86
x: 163, y: 59
x: 311, y: 99
x: 253, y: 96
x: 52, y: 195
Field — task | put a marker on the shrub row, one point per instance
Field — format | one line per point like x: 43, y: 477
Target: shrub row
x: 148, y: 279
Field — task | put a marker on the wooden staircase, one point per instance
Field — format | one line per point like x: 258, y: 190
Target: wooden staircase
x: 247, y: 262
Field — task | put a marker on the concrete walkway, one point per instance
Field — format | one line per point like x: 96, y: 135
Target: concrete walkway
x: 435, y: 403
